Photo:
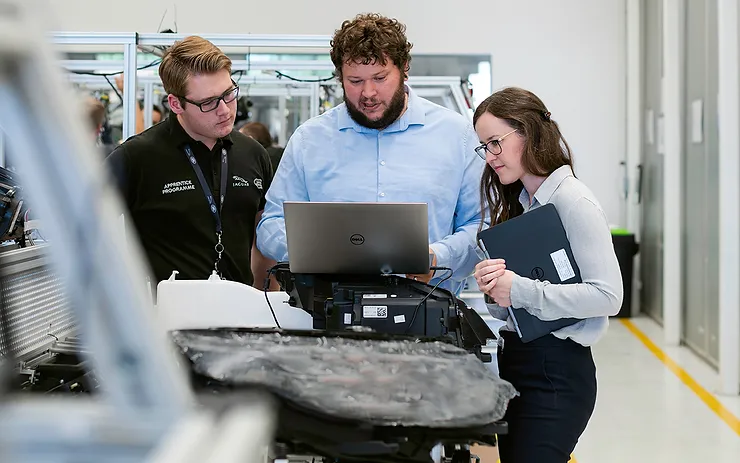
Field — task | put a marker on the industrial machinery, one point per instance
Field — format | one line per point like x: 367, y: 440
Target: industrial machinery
x: 396, y: 335
x: 388, y: 304
x: 11, y: 207
x: 343, y: 392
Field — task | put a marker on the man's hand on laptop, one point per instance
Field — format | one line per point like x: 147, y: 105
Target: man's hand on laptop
x: 428, y: 277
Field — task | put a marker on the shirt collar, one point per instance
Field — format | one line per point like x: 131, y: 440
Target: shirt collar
x: 181, y: 137
x: 414, y: 115
x: 548, y: 187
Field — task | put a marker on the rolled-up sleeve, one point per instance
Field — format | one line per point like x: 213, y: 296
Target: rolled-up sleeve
x: 600, y: 293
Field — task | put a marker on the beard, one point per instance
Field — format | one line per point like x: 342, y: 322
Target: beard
x: 393, y: 111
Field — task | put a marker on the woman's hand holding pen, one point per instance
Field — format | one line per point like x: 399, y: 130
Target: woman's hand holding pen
x: 494, y: 280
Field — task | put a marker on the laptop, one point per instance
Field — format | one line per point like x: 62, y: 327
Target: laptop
x: 357, y: 237
x: 534, y: 245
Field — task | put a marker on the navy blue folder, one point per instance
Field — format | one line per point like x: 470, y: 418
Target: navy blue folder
x: 534, y: 245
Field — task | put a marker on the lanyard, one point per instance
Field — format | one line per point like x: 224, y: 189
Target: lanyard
x: 216, y: 211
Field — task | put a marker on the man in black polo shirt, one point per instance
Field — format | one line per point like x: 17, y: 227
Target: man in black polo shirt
x: 195, y: 187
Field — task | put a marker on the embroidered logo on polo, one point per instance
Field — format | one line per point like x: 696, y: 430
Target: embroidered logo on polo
x: 258, y: 183
x: 176, y: 187
x: 239, y: 182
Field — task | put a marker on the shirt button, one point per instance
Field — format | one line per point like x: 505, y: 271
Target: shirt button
x: 382, y: 195
x: 382, y: 163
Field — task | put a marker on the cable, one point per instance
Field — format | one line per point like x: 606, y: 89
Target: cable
x: 295, y: 79
x: 118, y: 94
x: 266, y: 287
x: 269, y: 304
x: 418, y: 306
x: 242, y: 73
x: 105, y: 75
x: 109, y: 74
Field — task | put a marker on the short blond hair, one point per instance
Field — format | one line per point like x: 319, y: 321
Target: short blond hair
x: 188, y: 57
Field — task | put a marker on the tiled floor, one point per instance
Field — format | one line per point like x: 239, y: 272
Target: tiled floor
x: 645, y: 413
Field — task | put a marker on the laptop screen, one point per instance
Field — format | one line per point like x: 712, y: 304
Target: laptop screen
x: 357, y: 238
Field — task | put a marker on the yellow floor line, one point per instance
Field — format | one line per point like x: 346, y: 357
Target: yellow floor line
x: 708, y: 398
x: 572, y: 460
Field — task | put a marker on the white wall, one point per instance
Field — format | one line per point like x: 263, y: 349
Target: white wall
x: 572, y: 53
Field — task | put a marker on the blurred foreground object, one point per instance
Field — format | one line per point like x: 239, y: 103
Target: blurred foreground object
x: 146, y: 410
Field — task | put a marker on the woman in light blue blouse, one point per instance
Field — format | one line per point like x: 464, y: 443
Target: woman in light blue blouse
x: 529, y: 165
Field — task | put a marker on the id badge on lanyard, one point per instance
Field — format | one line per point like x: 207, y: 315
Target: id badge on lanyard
x: 215, y: 211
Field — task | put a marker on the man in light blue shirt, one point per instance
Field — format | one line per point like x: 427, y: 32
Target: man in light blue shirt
x: 384, y: 144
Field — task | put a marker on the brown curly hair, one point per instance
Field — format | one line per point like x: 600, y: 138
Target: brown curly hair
x: 545, y: 148
x: 371, y: 38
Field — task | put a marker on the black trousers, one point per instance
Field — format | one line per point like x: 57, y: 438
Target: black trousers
x: 556, y: 380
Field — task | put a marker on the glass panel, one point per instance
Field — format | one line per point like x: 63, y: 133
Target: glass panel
x: 280, y: 113
x: 440, y: 95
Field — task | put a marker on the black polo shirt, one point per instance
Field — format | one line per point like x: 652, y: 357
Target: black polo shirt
x: 168, y: 207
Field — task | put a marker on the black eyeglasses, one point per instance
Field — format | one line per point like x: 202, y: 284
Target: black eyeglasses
x: 492, y: 146
x: 211, y: 104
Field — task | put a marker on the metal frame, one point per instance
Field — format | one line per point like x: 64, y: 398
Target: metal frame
x: 265, y: 85
x: 148, y: 101
x: 263, y: 80
x: 93, y: 38
x: 243, y: 40
x: 461, y: 101
x: 634, y: 124
x: 279, y: 65
x: 449, y: 101
x: 673, y: 173
x: 128, y: 65
x: 130, y: 41
x: 729, y: 192
x: 452, y: 82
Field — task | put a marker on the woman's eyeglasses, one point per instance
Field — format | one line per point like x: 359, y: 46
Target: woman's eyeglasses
x: 492, y: 146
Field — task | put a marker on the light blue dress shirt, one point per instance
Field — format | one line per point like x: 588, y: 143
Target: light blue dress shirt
x: 427, y: 155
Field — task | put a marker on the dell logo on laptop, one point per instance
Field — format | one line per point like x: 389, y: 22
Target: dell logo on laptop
x: 537, y: 273
x: 357, y: 239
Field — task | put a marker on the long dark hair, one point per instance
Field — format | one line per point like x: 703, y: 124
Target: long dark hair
x: 545, y: 149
